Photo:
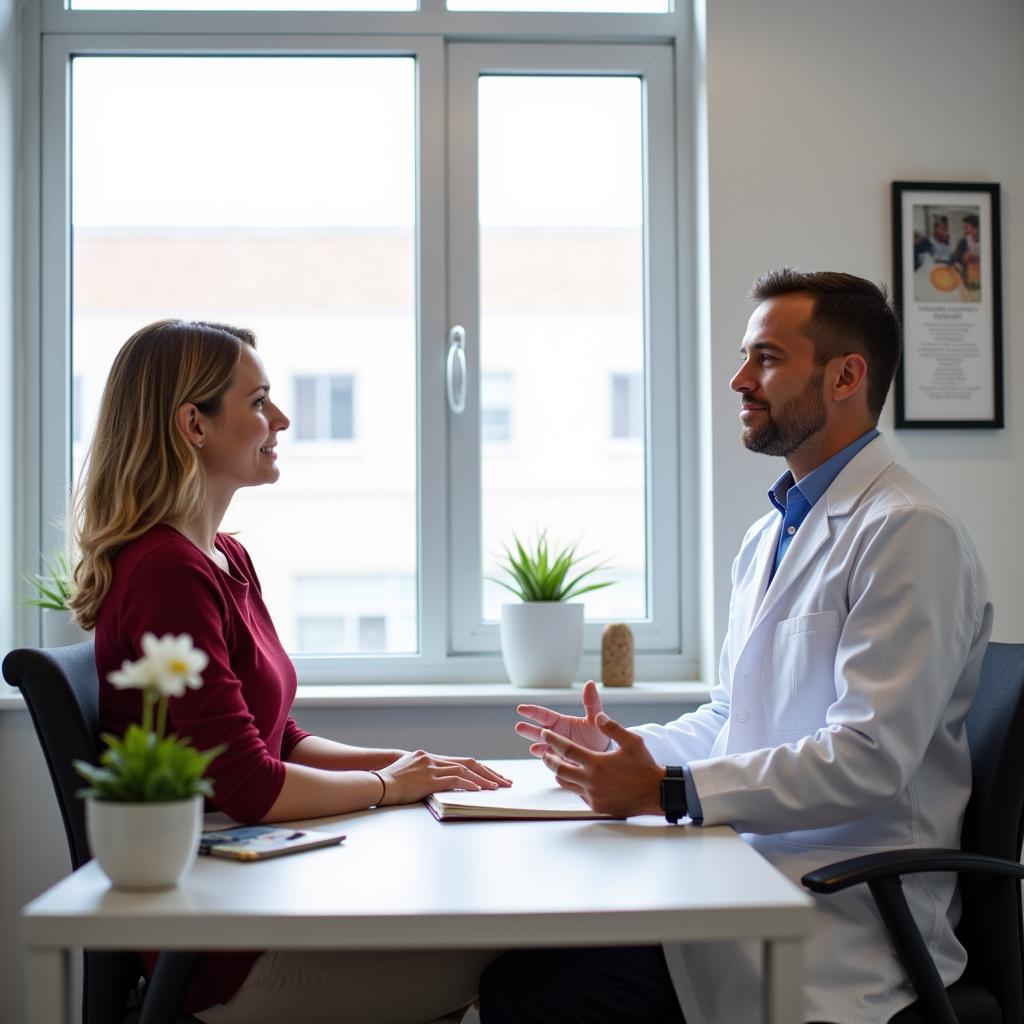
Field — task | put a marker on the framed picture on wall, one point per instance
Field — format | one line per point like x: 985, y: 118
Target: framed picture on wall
x: 947, y: 289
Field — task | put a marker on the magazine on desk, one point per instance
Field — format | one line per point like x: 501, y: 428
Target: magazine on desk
x: 518, y: 803
x: 258, y: 842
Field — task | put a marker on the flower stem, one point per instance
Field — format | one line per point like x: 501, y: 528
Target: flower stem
x: 148, y: 699
x: 161, y: 718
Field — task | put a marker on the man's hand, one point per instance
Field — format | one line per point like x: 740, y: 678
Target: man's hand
x: 619, y: 782
x: 583, y: 731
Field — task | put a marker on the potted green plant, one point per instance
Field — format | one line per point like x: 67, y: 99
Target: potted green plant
x: 144, y: 809
x: 542, y: 634
x: 51, y: 591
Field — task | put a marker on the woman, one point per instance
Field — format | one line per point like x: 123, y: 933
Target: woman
x: 186, y: 420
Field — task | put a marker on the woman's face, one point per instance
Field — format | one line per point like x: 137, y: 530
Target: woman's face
x: 239, y: 442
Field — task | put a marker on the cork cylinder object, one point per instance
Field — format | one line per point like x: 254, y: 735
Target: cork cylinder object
x: 617, y: 655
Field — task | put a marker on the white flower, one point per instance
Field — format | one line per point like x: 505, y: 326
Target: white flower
x: 173, y: 662
x: 167, y: 665
x: 132, y: 675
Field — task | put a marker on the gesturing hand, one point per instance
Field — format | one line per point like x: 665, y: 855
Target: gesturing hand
x: 418, y: 774
x: 583, y: 731
x: 619, y: 782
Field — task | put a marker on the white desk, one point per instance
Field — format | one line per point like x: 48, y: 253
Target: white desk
x: 403, y: 881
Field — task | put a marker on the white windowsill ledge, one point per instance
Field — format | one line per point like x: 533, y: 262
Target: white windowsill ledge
x: 466, y: 695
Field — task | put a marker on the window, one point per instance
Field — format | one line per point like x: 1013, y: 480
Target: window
x: 353, y: 187
x: 354, y: 614
x: 627, y: 405
x: 496, y: 406
x: 324, y: 408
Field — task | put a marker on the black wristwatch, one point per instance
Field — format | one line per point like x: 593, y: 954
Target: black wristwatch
x: 673, y: 794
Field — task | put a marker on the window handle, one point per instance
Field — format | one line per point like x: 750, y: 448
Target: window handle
x: 456, y: 369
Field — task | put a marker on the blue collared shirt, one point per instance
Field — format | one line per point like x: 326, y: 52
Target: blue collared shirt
x: 794, y: 501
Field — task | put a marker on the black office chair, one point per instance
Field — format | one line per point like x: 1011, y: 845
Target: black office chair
x: 61, y: 690
x: 992, y: 988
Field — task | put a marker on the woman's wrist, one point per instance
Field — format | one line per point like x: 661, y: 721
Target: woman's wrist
x: 379, y: 802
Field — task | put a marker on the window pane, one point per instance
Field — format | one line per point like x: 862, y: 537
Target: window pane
x: 562, y: 308
x: 627, y: 405
x: 275, y: 193
x: 496, y: 406
x: 304, y: 416
x: 342, y: 418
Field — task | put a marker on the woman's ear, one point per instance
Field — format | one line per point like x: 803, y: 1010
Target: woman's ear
x: 190, y: 423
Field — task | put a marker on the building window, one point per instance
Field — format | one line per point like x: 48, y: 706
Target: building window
x: 324, y: 408
x: 627, y: 401
x: 496, y: 406
x: 354, y: 614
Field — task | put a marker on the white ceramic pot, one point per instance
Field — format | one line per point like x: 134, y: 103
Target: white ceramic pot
x: 61, y: 630
x: 145, y: 845
x: 542, y: 642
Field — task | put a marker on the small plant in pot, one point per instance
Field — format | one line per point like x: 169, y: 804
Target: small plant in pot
x: 145, y: 798
x: 542, y: 635
x: 52, y: 591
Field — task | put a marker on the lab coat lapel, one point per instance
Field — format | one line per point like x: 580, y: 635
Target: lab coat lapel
x: 809, y: 540
x: 753, y: 599
x: 840, y: 499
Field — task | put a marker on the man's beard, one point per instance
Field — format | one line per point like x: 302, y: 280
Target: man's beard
x: 796, y: 421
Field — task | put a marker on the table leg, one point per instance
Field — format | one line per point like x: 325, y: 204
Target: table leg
x: 783, y: 981
x: 48, y: 980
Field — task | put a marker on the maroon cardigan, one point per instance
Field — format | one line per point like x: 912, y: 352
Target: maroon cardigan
x: 163, y: 584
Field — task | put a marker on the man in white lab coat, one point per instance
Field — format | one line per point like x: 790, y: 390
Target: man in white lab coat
x: 857, y: 625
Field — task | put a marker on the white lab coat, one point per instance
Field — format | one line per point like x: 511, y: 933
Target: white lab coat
x: 836, y: 728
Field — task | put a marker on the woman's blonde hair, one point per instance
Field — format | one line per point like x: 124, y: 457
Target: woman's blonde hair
x: 141, y: 469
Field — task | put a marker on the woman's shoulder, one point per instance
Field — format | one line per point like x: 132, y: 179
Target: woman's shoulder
x: 161, y: 547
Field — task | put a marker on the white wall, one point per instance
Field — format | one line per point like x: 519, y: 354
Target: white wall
x: 814, y: 106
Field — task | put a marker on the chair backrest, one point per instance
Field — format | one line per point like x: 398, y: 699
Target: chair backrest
x: 991, y: 926
x: 61, y: 691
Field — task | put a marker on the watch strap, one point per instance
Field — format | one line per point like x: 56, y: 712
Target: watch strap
x: 673, y: 793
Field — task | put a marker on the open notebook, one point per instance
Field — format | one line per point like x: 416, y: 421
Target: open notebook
x: 516, y: 803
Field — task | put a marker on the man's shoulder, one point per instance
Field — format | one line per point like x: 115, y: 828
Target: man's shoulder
x: 897, y: 488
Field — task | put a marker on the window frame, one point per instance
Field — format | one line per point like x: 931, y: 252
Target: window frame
x: 52, y: 36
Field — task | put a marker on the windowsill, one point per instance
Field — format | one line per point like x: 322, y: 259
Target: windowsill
x: 466, y: 695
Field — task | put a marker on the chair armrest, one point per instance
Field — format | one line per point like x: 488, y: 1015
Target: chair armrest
x: 893, y: 863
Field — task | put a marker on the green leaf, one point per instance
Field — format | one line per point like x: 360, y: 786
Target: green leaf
x: 52, y: 591
x: 540, y: 574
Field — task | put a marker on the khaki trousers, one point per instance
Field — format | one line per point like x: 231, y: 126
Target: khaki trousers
x: 314, y: 987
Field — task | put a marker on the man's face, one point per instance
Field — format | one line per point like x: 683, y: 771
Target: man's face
x: 779, y: 383
x: 941, y: 231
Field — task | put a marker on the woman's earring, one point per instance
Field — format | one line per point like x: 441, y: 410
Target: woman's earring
x: 199, y: 444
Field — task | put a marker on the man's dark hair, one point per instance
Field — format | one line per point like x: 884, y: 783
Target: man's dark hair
x: 850, y: 315
x: 972, y: 219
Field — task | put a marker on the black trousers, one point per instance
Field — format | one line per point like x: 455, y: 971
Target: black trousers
x: 625, y: 985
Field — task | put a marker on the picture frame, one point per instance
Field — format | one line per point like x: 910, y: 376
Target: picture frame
x: 947, y: 289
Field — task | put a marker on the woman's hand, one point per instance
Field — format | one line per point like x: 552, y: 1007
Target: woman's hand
x: 418, y: 774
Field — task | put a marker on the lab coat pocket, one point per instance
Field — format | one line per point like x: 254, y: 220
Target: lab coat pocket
x: 801, y: 685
